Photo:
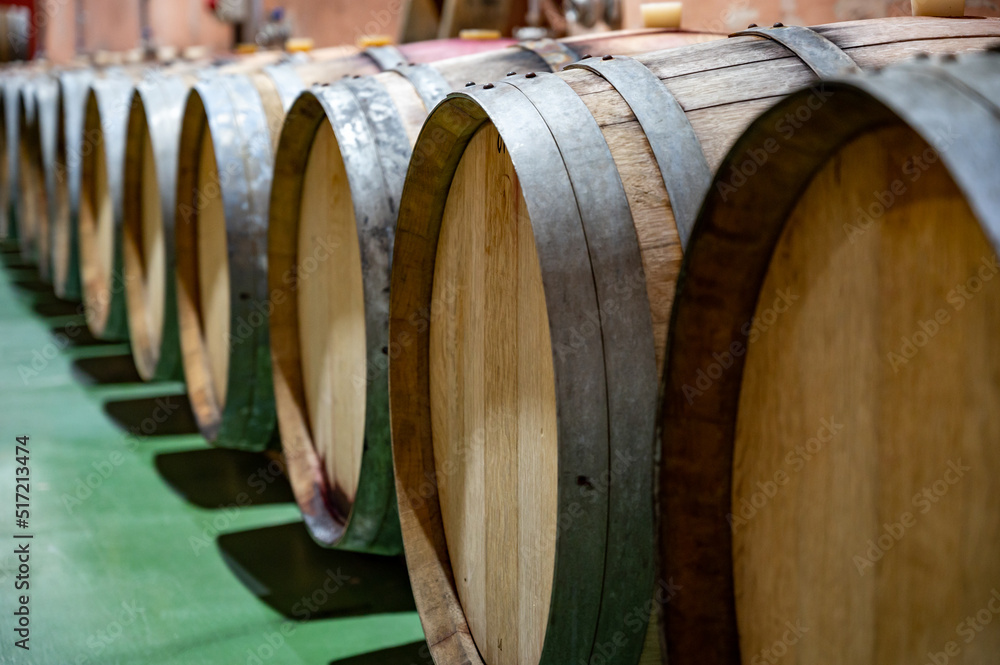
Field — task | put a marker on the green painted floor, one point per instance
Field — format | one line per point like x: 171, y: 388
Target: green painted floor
x: 148, y: 545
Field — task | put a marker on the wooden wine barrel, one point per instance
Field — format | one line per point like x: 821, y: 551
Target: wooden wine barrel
x: 7, y: 82
x: 537, y: 250
x: 100, y: 213
x: 844, y: 461
x: 29, y: 186
x: 46, y: 92
x: 13, y: 123
x: 224, y: 183
x: 338, y: 176
x: 74, y: 86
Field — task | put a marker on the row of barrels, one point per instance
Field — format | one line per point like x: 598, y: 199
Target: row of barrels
x: 682, y: 357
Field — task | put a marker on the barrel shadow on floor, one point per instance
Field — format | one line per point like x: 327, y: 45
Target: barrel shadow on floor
x: 168, y: 415
x: 102, y: 370
x: 213, y: 477
x: 415, y: 653
x: 50, y: 306
x: 289, y: 572
x: 26, y: 282
x: 76, y: 334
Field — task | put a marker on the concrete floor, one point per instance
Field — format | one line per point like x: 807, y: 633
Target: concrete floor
x: 150, y: 547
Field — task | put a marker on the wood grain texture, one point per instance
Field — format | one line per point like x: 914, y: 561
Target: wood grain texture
x: 332, y: 321
x: 213, y: 270
x: 496, y: 447
x: 147, y: 278
x: 96, y: 233
x: 152, y: 247
x: 29, y: 185
x: 906, y: 422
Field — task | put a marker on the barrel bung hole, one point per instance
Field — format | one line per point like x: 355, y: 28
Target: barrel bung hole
x: 493, y: 406
x: 866, y: 465
x: 331, y: 318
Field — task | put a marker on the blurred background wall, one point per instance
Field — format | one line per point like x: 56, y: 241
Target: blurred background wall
x: 63, y: 28
x: 737, y: 14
